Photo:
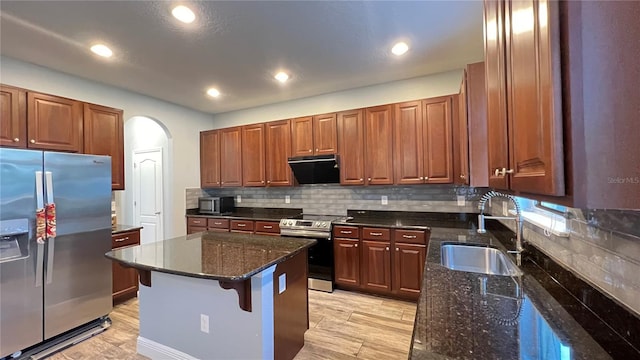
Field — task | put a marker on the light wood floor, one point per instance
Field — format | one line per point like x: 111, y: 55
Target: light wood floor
x: 342, y: 325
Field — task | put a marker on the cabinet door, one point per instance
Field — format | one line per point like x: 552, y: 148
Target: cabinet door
x: 494, y: 55
x: 210, y: 159
x: 347, y: 261
x: 302, y: 136
x: 13, y: 117
x: 351, y: 142
x: 379, y: 145
x: 125, y: 280
x: 104, y: 135
x: 325, y: 135
x: 231, y: 157
x: 376, y: 274
x: 54, y: 123
x: 437, y: 140
x: 253, y: 157
x: 534, y: 114
x: 408, y: 267
x: 408, y: 143
x: 462, y: 135
x: 477, y: 123
x: 278, y: 151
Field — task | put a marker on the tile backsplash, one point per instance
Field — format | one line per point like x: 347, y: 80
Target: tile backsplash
x: 603, y: 248
x: 335, y: 199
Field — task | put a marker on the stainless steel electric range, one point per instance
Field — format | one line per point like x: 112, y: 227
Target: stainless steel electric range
x: 318, y: 227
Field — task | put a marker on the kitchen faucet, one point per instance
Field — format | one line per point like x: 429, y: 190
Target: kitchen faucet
x: 517, y: 218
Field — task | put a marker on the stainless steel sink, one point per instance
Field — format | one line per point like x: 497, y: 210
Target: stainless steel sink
x: 477, y: 259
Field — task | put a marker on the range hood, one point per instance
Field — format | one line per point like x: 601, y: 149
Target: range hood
x: 319, y: 169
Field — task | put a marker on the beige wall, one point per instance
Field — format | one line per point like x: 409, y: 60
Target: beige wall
x: 397, y: 91
x: 182, y: 123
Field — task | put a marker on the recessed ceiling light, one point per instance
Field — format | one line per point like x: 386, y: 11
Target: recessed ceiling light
x: 282, y: 76
x: 213, y: 92
x: 400, y: 48
x: 102, y: 50
x: 183, y: 14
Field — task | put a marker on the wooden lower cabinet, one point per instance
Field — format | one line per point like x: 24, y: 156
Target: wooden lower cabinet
x: 124, y: 280
x: 376, y: 269
x: 408, y: 268
x: 380, y: 260
x: 346, y: 262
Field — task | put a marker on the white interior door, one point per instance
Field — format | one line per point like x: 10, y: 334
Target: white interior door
x: 147, y: 194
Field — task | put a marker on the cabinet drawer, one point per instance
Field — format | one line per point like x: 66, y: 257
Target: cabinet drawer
x: 197, y: 221
x: 350, y: 232
x: 242, y: 225
x: 218, y: 223
x: 376, y: 234
x: 195, y: 229
x: 269, y: 227
x: 125, y: 239
x: 410, y: 236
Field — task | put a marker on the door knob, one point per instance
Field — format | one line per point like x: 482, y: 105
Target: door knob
x: 16, y: 140
x: 158, y: 212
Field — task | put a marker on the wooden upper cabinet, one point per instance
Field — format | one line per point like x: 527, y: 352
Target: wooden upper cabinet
x: 253, y: 155
x: 314, y: 135
x: 278, y: 150
x: 379, y: 145
x: 476, y: 108
x: 13, y: 117
x: 54, y: 123
x: 351, y: 144
x: 325, y: 135
x: 534, y: 101
x: 461, y: 135
x: 494, y: 56
x: 231, y: 157
x: 104, y: 135
x: 408, y: 143
x: 437, y: 141
x: 209, y: 159
x: 302, y: 136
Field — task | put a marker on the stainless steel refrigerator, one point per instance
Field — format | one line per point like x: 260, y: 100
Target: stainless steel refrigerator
x: 53, y: 273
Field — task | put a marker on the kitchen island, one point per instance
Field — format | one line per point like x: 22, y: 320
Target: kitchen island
x: 221, y: 295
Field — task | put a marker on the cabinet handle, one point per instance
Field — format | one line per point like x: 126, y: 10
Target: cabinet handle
x: 310, y: 150
x: 268, y: 227
x: 196, y: 221
x: 368, y: 179
x: 242, y: 225
x: 122, y: 239
x: 387, y: 248
x: 268, y: 181
x: 32, y: 141
x: 222, y: 182
x: 397, y: 249
x: 426, y: 178
x: 355, y: 245
x: 376, y: 234
x: 462, y: 176
x: 408, y: 236
x: 16, y: 140
x: 510, y: 171
x: 361, y: 179
x: 217, y: 182
x: 421, y: 177
x: 217, y: 223
x: 317, y: 149
x: 345, y: 231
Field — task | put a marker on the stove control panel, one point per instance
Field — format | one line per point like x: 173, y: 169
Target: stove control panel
x: 305, y: 224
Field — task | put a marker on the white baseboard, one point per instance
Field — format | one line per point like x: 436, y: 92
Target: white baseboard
x: 154, y: 350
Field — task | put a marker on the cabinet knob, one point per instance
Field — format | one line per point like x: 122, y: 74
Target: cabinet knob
x: 355, y: 245
x: 317, y: 149
x: 268, y: 181
x: 426, y: 178
x: 32, y: 141
x: 462, y: 176
x: 397, y: 249
x: 217, y: 182
x: 16, y: 140
x: 421, y: 177
x: 361, y: 179
x: 309, y: 150
x: 262, y: 182
x: 368, y: 179
x: 387, y: 248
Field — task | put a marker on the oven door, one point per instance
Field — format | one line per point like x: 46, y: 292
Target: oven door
x: 321, y: 265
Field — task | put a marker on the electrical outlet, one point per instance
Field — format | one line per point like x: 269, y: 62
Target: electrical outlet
x: 282, y: 283
x: 238, y: 199
x: 384, y: 200
x: 287, y: 199
x: 204, y: 323
x: 505, y: 208
x: 461, y: 200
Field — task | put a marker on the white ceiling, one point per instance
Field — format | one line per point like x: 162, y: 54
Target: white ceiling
x: 237, y: 46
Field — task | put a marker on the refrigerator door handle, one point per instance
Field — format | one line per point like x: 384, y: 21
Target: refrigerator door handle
x: 39, y: 264
x: 51, y: 226
x: 41, y: 218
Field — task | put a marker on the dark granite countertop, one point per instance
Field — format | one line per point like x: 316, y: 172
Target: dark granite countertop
x: 407, y: 220
x: 516, y: 318
x: 120, y: 228
x: 212, y: 255
x: 259, y: 214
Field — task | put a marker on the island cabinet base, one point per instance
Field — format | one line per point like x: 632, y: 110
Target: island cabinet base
x: 185, y: 317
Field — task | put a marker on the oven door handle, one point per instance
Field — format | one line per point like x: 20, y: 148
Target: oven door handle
x: 306, y: 234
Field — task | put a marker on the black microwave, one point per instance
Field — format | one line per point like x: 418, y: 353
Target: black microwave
x: 216, y: 205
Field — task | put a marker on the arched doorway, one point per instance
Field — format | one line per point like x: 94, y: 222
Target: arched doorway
x: 148, y: 158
